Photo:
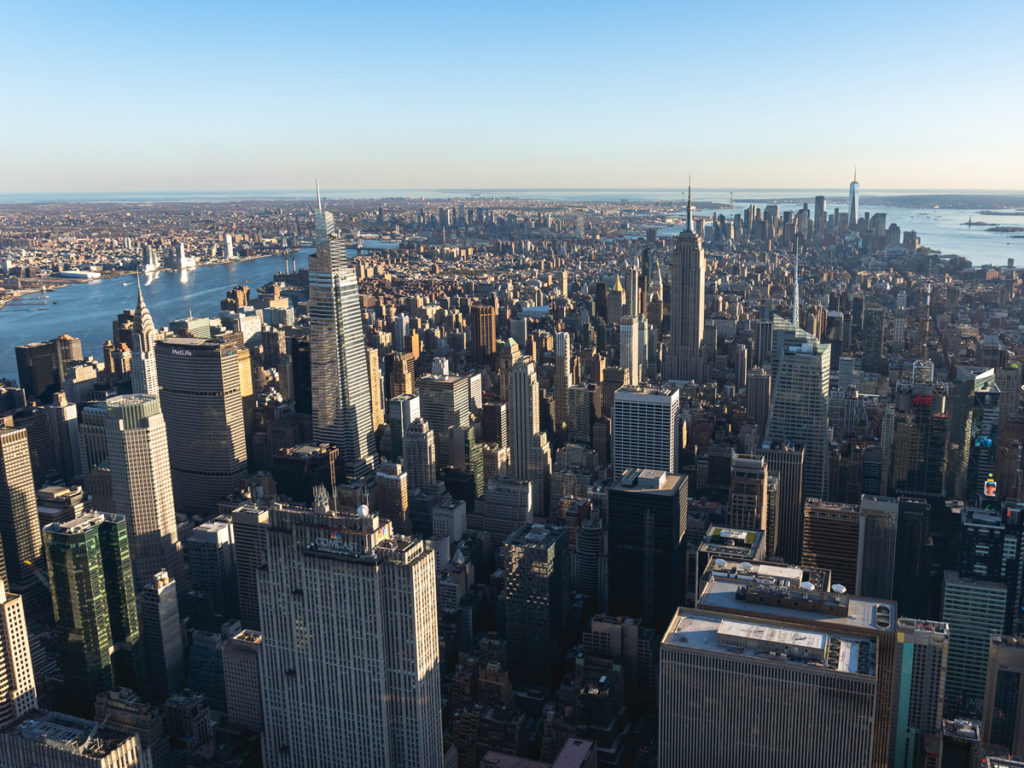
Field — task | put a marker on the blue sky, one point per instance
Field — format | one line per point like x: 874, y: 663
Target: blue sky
x: 216, y: 95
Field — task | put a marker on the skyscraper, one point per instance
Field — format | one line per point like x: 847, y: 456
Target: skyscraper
x: 829, y: 623
x: 646, y: 525
x: 349, y: 664
x: 160, y: 626
x: 536, y: 601
x: 242, y: 679
x: 922, y: 650
x: 482, y: 332
x: 210, y: 556
x: 420, y: 455
x: 748, y: 496
x: 201, y: 398
x: 1004, y: 693
x: 249, y: 548
x: 90, y: 574
x: 523, y: 415
x: 876, y: 551
x: 830, y: 538
x: 684, y: 357
x: 799, y: 410
x: 645, y: 429
x: 143, y: 370
x: 17, y: 681
x: 38, y: 370
x: 342, y: 412
x: 563, y: 377
x: 854, y: 202
x: 140, y: 476
x: 19, y: 521
x: 629, y: 348
x: 763, y: 693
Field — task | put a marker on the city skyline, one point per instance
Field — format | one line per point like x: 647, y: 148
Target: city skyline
x: 567, y: 96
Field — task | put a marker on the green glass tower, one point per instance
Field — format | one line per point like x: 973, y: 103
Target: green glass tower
x: 94, y: 607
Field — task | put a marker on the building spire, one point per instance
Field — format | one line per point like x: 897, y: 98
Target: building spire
x: 319, y: 205
x: 855, y: 173
x: 689, y: 200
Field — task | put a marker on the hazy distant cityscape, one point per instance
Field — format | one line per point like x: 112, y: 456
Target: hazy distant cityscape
x: 511, y: 482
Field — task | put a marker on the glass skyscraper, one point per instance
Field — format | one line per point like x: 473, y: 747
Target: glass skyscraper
x: 342, y: 412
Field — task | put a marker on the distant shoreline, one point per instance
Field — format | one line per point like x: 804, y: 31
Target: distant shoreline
x: 4, y: 301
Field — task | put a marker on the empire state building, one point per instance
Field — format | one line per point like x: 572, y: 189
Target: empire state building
x: 684, y: 359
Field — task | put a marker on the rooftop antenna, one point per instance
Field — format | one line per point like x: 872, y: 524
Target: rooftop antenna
x: 689, y: 199
x: 319, y: 205
x: 855, y: 173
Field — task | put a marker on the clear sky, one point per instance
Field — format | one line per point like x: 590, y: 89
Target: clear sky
x: 126, y: 96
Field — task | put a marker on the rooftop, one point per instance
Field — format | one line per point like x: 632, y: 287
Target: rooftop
x: 705, y: 631
x: 777, y: 591
x: 71, y: 734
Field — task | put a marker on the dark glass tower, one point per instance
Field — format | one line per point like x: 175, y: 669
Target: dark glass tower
x: 94, y: 606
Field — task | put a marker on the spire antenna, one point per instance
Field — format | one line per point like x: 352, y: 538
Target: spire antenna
x: 689, y: 200
x: 319, y: 205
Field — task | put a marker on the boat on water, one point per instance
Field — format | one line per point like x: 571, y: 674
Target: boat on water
x: 126, y: 283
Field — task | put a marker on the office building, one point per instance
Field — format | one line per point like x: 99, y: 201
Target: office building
x: 759, y: 397
x: 94, y: 610
x: 523, y: 415
x: 403, y: 410
x: 629, y: 349
x: 342, y: 410
x: 563, y: 378
x: 63, y: 741
x: 748, y: 495
x: 299, y: 469
x: 645, y: 429
x: 876, y: 549
x: 201, y: 398
x: 684, y: 356
x: 1003, y: 717
x: 584, y: 409
x: 507, y: 505
x: 444, y: 403
x: 393, y: 495
x: 123, y: 710
x: 646, y: 526
x: 420, y: 455
x: 241, y: 656
x: 799, y: 598
x: 38, y: 370
x: 786, y: 463
x: 765, y: 693
x: 482, y: 333
x: 17, y: 680
x: 160, y: 627
x: 975, y: 610
x: 140, y: 477
x: 143, y: 336
x: 536, y: 602
x: 19, y: 517
x: 874, y: 339
x: 920, y: 685
x: 799, y: 410
x: 247, y: 521
x: 854, y: 202
x: 831, y: 533
x: 210, y: 555
x: 363, y: 600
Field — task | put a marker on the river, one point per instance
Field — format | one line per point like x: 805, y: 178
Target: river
x: 88, y: 310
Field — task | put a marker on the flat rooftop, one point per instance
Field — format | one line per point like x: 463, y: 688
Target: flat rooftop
x: 71, y: 734
x: 797, y: 645
x: 776, y: 591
